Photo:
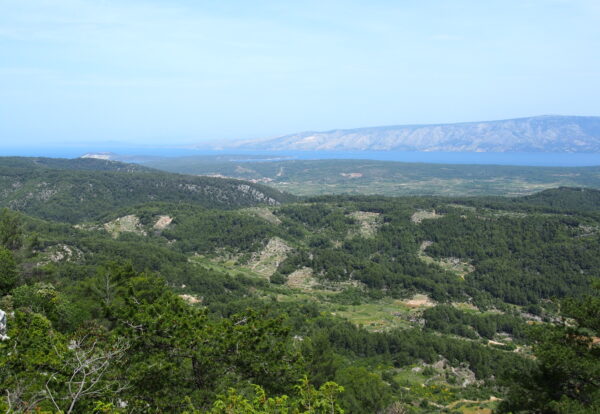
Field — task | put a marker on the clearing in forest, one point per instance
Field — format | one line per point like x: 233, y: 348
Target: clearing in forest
x: 163, y: 222
x: 61, y: 253
x: 419, y: 301
x: 368, y: 223
x: 268, y: 259
x: 377, y: 316
x: 420, y: 215
x: 191, y: 299
x: 451, y: 264
x: 302, y: 279
x: 263, y: 213
x: 125, y: 224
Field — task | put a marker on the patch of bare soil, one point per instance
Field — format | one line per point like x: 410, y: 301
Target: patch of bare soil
x: 263, y: 213
x: 420, y: 215
x: 61, y: 253
x: 425, y: 245
x: 368, y: 223
x: 163, y: 222
x: 419, y: 301
x: 302, y: 279
x: 268, y: 259
x: 125, y: 224
x: 190, y: 299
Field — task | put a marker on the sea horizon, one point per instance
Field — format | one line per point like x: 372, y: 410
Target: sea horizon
x: 532, y: 159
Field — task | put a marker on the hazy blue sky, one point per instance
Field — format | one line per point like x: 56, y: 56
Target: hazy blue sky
x: 188, y: 71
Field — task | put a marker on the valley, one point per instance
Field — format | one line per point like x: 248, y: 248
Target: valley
x: 421, y: 304
x: 369, y: 177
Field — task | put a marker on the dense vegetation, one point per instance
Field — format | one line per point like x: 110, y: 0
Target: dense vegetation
x: 77, y: 190
x: 310, y: 306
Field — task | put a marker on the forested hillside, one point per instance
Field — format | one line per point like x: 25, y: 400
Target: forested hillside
x: 80, y: 189
x: 125, y: 303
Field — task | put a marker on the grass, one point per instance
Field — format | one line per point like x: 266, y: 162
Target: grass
x: 408, y: 377
x: 228, y: 267
x: 382, y: 315
x: 453, y: 187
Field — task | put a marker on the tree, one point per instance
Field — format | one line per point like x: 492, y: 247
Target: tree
x: 43, y: 370
x: 176, y: 350
x: 9, y: 275
x: 27, y: 360
x: 566, y: 378
x: 365, y: 392
x: 11, y: 235
x: 306, y: 399
x: 45, y: 299
x: 86, y: 374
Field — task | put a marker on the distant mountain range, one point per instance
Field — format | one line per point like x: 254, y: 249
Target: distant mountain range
x: 547, y: 133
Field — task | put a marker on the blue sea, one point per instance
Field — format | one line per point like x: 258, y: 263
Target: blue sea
x: 486, y: 158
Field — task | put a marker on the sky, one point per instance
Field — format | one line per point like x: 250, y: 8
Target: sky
x: 188, y: 71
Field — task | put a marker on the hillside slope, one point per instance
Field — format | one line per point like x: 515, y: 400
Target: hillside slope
x: 80, y: 164
x: 534, y: 134
x: 567, y: 198
x: 428, y: 299
x: 75, y: 190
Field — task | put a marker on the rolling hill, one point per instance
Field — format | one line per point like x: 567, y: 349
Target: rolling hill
x: 429, y: 299
x: 81, y: 189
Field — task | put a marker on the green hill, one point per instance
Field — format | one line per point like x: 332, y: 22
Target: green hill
x: 81, y: 189
x: 566, y: 198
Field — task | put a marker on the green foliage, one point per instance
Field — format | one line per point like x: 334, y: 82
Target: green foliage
x: 33, y: 354
x: 520, y: 260
x: 199, y: 230
x: 564, y: 199
x: 448, y: 319
x: 177, y: 350
x: 403, y: 347
x: 169, y: 350
x: 44, y: 370
x: 236, y: 338
x: 365, y: 392
x: 10, y: 230
x: 73, y: 191
x: 44, y: 299
x: 387, y: 261
x: 318, y: 217
x: 307, y: 400
x: 278, y: 279
x: 9, y: 275
x: 566, y: 378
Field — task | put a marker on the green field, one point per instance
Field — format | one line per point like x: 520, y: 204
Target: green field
x: 318, y: 177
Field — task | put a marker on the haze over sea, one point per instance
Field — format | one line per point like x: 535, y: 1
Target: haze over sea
x: 483, y: 158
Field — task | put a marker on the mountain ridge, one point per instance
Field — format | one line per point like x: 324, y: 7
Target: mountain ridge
x: 545, y: 133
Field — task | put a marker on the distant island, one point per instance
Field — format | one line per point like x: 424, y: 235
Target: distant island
x: 548, y: 133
